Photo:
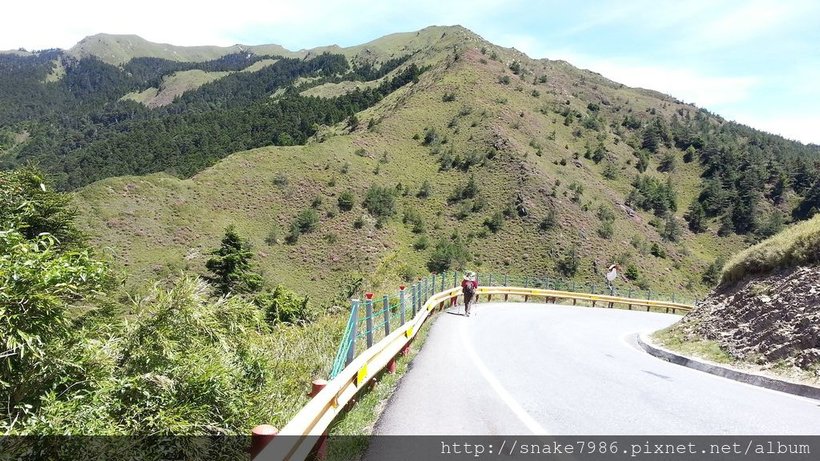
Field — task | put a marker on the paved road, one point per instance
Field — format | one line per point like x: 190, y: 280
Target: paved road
x: 559, y: 370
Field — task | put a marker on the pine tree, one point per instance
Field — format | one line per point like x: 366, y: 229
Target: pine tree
x: 696, y: 217
x: 231, y: 266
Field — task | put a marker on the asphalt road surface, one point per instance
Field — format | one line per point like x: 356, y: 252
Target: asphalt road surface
x: 519, y: 369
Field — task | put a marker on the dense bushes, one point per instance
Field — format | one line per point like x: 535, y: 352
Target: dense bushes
x: 380, y: 201
x: 449, y: 254
x: 185, y: 362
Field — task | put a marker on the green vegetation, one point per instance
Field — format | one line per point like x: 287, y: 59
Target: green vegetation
x: 184, y: 362
x: 799, y: 244
x: 707, y: 349
x: 231, y: 266
x: 449, y: 254
x: 346, y: 201
x: 83, y: 131
x: 380, y: 201
x: 266, y: 144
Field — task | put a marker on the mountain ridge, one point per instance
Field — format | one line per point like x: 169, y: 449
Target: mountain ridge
x: 573, y: 171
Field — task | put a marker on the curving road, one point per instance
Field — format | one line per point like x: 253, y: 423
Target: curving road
x: 560, y: 370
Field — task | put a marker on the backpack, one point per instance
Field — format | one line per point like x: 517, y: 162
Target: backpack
x: 469, y: 289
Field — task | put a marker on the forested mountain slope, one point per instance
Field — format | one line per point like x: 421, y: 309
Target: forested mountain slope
x: 449, y: 148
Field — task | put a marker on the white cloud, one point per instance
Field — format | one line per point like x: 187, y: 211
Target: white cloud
x: 686, y: 84
x: 799, y: 127
x: 745, y: 21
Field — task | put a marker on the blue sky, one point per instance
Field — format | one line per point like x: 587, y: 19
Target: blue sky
x: 754, y: 61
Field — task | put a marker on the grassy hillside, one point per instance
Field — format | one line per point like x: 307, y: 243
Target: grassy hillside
x: 119, y: 49
x: 174, y: 85
x: 798, y: 245
x: 503, y: 129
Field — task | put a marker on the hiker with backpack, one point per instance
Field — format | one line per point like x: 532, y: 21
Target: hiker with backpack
x: 468, y: 288
x: 611, y: 275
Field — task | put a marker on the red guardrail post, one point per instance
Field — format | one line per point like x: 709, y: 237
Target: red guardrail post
x: 316, y: 386
x: 320, y: 449
x: 260, y: 437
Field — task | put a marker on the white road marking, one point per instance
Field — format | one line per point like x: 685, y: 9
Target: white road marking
x: 495, y: 384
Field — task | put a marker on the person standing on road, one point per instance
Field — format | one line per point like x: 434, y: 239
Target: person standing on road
x: 468, y: 288
x: 611, y: 275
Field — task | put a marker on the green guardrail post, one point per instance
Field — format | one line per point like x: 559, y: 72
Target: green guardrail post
x: 386, y: 302
x: 455, y: 279
x: 490, y: 280
x: 649, y: 294
x: 424, y: 284
x: 673, y: 297
x: 368, y: 312
x: 526, y: 282
x: 354, y: 326
x: 416, y: 297
x: 401, y: 302
x: 433, y: 285
x: 505, y: 280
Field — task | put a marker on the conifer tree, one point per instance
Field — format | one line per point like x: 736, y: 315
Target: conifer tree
x: 231, y: 266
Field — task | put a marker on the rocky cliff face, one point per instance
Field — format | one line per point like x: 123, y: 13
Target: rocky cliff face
x: 767, y: 319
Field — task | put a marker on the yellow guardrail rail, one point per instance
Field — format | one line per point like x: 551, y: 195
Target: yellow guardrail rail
x: 296, y: 440
x: 557, y: 296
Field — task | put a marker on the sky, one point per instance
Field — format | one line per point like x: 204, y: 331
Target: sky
x: 753, y: 61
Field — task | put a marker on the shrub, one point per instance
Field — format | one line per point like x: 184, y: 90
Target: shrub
x: 448, y: 254
x: 380, y: 201
x: 346, y: 201
x: 431, y: 137
x: 671, y: 230
x: 632, y: 272
x: 414, y: 218
x: 283, y: 306
x: 29, y: 206
x: 307, y: 221
x: 273, y: 236
x: 421, y: 243
x: 610, y: 170
x: 568, y: 263
x: 711, y: 275
x: 358, y: 223
x: 495, y: 222
x: 668, y: 162
x: 657, y: 250
x: 550, y: 220
x: 449, y: 96
x: 425, y: 190
x: 37, y: 283
x: 606, y: 230
x: 280, y: 180
x: 469, y: 190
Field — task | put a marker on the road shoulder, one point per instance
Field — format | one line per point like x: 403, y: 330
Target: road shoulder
x: 803, y: 390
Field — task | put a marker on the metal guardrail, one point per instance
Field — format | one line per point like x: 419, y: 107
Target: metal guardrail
x: 374, y: 318
x: 296, y: 440
x: 408, y: 313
